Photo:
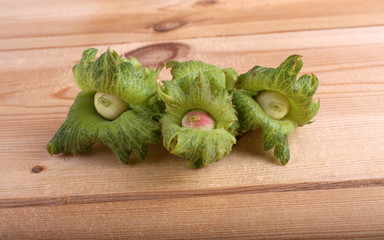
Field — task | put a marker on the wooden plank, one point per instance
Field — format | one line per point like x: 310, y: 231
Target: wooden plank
x: 37, y: 89
x: 46, y: 24
x: 320, y: 214
x: 333, y: 188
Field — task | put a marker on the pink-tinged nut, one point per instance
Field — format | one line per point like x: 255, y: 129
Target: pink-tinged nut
x: 198, y: 120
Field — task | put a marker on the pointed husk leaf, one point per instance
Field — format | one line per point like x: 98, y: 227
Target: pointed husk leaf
x: 110, y: 74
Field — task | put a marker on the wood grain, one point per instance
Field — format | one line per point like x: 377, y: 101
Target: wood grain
x: 45, y: 23
x: 333, y: 187
x: 121, y: 197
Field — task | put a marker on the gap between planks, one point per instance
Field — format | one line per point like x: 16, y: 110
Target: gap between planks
x: 135, y: 196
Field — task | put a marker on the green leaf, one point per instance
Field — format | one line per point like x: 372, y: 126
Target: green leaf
x: 283, y: 79
x: 131, y: 132
x: 123, y: 78
x: 230, y: 78
x: 219, y: 78
x: 198, y: 86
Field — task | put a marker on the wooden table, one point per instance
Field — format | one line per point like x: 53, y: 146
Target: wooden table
x: 333, y: 187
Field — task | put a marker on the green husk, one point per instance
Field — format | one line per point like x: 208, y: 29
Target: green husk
x: 133, y: 130
x: 197, y: 85
x: 283, y: 79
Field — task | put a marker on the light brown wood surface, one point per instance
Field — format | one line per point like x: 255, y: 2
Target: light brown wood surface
x: 333, y: 187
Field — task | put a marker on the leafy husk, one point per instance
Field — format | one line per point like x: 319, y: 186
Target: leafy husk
x: 198, y: 86
x: 283, y: 79
x: 133, y: 130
